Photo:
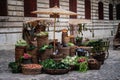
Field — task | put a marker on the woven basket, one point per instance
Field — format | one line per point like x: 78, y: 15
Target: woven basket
x: 46, y: 54
x: 19, y: 51
x: 72, y: 39
x: 64, y: 50
x: 100, y: 57
x: 34, y: 55
x: 31, y: 70
x: 72, y: 51
x: 56, y: 71
x: 93, y: 64
x: 64, y: 34
x: 42, y: 40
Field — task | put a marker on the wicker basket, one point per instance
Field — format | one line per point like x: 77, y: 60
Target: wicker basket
x: 72, y: 51
x: 42, y: 40
x: 64, y: 50
x: 72, y: 39
x: 100, y: 57
x: 19, y: 51
x: 64, y: 34
x: 34, y: 55
x: 32, y: 69
x: 56, y: 71
x: 46, y: 54
x: 93, y: 64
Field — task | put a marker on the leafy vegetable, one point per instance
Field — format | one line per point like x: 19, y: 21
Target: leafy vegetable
x: 42, y: 34
x: 21, y: 43
x: 51, y: 64
x: 15, y: 67
x: 70, y: 60
x: 70, y: 44
x: 44, y: 47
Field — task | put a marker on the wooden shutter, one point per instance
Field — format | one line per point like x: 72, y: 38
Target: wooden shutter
x: 110, y: 12
x: 87, y: 9
x: 29, y: 6
x: 73, y: 7
x: 3, y: 8
x: 52, y: 3
x: 118, y: 11
x: 100, y: 10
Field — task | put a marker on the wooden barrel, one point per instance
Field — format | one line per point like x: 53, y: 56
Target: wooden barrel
x: 64, y: 50
x: 42, y: 40
x: 19, y: 52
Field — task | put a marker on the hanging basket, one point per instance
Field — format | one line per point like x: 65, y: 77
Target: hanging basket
x: 19, y: 51
x: 42, y: 40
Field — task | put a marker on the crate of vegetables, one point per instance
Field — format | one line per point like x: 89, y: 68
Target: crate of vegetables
x: 31, y: 69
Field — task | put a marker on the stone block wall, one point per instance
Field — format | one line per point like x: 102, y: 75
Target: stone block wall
x: 11, y: 25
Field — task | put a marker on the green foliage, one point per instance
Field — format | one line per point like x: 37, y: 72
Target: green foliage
x: 44, y: 47
x: 96, y: 44
x: 42, y: 34
x: 21, y: 43
x: 15, y: 67
x: 31, y: 47
x: 51, y: 64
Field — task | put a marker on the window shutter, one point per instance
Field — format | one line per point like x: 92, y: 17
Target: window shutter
x: 52, y: 3
x: 73, y: 7
x: 87, y: 9
x: 100, y: 10
x: 3, y: 8
x: 29, y: 6
x: 110, y: 12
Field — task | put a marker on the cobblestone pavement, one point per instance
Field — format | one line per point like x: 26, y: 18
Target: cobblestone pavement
x: 110, y: 70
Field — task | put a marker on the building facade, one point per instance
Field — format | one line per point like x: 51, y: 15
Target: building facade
x: 103, y: 14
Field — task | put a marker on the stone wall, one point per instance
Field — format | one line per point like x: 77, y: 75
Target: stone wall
x: 11, y: 25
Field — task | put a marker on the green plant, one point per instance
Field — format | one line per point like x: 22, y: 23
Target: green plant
x: 42, y: 34
x: 51, y: 64
x: 82, y: 63
x: 21, y: 43
x: 15, y: 67
x: 31, y: 47
x: 96, y: 44
x: 44, y: 47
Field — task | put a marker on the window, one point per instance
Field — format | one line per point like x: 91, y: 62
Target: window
x: 53, y: 3
x: 3, y: 8
x: 110, y: 12
x: 100, y: 10
x: 118, y: 11
x: 29, y: 6
x: 73, y: 7
x: 87, y: 9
